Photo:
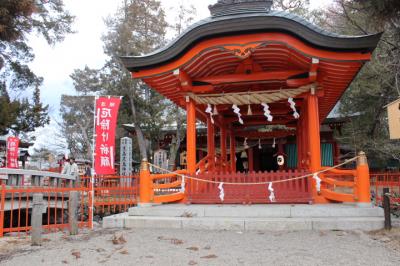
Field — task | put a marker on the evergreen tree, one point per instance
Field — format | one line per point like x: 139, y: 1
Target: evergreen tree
x: 378, y: 82
x: 137, y: 28
x: 18, y: 19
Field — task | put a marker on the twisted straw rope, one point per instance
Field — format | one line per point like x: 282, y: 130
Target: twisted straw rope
x: 253, y: 97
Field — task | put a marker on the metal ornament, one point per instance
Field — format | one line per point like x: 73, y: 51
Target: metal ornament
x: 280, y: 160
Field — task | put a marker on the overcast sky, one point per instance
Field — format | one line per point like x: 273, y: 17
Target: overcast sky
x: 85, y: 47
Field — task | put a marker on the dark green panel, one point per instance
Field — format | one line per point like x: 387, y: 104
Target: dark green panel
x: 327, y: 154
x: 291, y: 152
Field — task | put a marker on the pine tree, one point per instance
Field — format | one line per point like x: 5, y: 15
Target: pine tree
x: 18, y: 19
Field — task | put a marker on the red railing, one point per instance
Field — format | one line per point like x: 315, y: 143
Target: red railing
x: 385, y: 180
x: 16, y: 208
x: 295, y: 191
x: 113, y: 194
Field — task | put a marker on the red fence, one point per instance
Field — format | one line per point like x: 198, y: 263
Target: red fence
x: 16, y: 208
x: 295, y: 191
x: 112, y: 194
x: 385, y: 180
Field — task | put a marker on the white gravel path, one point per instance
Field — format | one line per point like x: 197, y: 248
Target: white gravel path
x: 177, y: 247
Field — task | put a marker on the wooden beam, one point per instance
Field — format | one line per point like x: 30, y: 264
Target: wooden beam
x: 185, y: 80
x: 262, y: 122
x: 257, y: 76
x: 256, y: 119
x: 264, y: 135
x: 313, y: 70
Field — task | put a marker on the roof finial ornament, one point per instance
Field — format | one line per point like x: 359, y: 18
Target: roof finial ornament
x: 234, y: 7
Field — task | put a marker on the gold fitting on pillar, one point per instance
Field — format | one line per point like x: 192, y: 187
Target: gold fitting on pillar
x: 144, y: 165
x: 362, y: 158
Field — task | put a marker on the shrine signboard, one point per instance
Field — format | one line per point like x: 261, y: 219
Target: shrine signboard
x: 394, y: 119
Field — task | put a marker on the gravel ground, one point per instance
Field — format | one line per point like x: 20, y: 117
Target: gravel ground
x: 178, y: 247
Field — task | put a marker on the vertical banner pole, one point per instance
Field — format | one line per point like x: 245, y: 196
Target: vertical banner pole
x: 93, y: 158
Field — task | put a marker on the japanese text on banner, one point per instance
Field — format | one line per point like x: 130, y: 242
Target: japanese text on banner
x: 12, y: 152
x: 106, y: 120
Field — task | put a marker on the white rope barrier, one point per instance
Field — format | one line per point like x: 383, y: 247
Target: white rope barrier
x: 259, y: 183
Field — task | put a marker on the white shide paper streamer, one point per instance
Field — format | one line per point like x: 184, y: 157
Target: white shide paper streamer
x: 271, y: 193
x: 293, y: 106
x: 236, y: 110
x: 221, y: 191
x: 267, y: 112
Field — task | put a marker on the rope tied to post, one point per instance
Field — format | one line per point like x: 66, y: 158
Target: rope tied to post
x: 258, y: 183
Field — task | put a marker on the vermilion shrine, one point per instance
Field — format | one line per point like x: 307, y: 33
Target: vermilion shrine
x: 256, y: 76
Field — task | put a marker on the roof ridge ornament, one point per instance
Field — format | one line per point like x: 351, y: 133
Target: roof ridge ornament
x: 233, y: 7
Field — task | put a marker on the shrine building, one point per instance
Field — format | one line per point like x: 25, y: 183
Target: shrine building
x: 262, y: 82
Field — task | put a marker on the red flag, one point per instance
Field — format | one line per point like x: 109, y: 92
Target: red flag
x: 106, y: 113
x: 12, y: 152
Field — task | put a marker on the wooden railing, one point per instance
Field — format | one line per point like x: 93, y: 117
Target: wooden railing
x: 245, y: 191
x: 167, y: 187
x: 339, y: 185
x: 385, y: 180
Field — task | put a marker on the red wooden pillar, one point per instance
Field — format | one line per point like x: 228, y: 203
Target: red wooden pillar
x: 210, y: 143
x: 232, y: 145
x: 299, y: 143
x: 314, y: 142
x: 336, y: 153
x: 223, y: 147
x: 251, y: 159
x: 191, y: 135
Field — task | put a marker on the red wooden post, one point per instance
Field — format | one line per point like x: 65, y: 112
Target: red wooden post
x: 2, y: 203
x: 145, y: 185
x: 314, y: 141
x: 363, y: 182
x: 232, y: 146
x: 210, y: 143
x: 251, y: 160
x: 223, y: 147
x: 191, y: 135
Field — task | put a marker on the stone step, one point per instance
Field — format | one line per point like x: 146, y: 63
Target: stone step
x: 245, y: 224
x: 257, y: 211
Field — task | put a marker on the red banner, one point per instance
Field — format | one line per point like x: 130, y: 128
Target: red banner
x: 12, y: 152
x: 105, y: 123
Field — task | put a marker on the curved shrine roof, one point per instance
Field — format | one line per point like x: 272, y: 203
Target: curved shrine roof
x: 228, y: 25
x: 241, y: 50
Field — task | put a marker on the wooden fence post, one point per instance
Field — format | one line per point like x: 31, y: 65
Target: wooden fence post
x: 91, y: 203
x: 73, y: 212
x: 386, y: 208
x: 145, y: 185
x: 37, y: 219
x: 2, y: 204
x: 363, y: 182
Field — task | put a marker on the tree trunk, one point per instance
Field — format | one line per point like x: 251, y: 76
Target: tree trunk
x: 176, y: 142
x: 139, y: 133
